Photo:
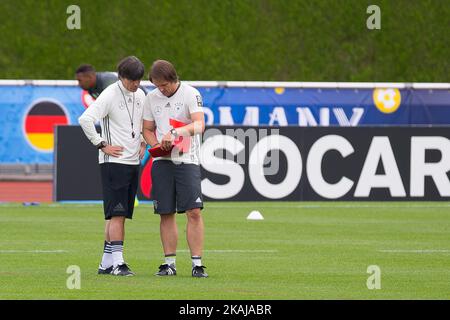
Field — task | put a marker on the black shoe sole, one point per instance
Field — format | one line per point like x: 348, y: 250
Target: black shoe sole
x: 123, y: 275
x: 203, y: 276
x: 165, y: 275
x: 103, y: 272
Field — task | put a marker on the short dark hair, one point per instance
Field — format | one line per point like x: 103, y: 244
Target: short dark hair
x: 85, y: 68
x: 163, y: 70
x: 131, y: 68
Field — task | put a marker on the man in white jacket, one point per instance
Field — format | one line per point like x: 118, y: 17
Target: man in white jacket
x: 119, y: 108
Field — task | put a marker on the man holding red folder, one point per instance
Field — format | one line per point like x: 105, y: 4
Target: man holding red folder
x: 173, y: 124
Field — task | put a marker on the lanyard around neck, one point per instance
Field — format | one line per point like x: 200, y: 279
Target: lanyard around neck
x: 130, y: 115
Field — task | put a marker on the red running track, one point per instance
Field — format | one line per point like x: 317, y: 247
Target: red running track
x: 26, y: 191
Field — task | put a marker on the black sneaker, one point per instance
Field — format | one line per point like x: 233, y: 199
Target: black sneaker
x: 166, y: 270
x: 122, y: 270
x: 102, y: 270
x: 199, y: 272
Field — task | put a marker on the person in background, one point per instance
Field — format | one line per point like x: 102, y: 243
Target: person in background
x: 94, y: 82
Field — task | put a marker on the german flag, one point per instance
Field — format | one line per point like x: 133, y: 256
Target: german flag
x: 39, y: 123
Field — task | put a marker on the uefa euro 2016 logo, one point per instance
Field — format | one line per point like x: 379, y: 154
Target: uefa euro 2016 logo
x: 387, y: 100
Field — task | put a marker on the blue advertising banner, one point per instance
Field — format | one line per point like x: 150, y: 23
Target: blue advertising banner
x: 29, y: 113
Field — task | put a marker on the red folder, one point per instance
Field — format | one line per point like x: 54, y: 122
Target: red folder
x: 182, y: 143
x: 158, y: 152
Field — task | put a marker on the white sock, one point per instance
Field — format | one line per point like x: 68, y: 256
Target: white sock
x: 117, y: 252
x: 196, y: 261
x: 107, y: 259
x: 170, y: 259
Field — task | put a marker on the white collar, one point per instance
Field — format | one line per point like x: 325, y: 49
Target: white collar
x: 124, y: 90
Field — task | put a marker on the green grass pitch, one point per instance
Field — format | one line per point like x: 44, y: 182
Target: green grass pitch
x: 312, y: 250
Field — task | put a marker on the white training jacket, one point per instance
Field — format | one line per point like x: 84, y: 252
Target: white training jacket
x: 120, y: 113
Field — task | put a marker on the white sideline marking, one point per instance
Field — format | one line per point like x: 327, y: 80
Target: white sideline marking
x: 33, y: 251
x: 416, y: 251
x: 318, y: 206
x: 234, y: 251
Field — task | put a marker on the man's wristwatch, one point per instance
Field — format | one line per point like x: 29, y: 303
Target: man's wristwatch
x: 174, y: 133
x: 101, y: 145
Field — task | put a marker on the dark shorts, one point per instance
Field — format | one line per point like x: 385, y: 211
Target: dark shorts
x: 176, y: 187
x: 119, y: 185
